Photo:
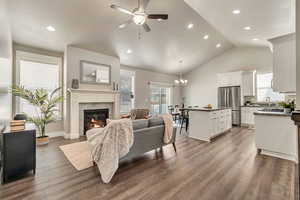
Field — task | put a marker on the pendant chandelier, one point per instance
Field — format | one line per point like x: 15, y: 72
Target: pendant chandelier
x: 181, y: 81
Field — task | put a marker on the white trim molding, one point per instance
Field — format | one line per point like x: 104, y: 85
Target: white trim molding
x: 77, y: 97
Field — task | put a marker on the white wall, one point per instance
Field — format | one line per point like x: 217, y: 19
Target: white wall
x: 202, y: 86
x: 142, y: 88
x: 74, y: 55
x: 298, y: 53
x: 5, y: 64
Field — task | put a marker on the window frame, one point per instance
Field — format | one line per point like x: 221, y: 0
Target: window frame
x: 37, y: 58
x: 159, y: 85
x: 271, y: 87
x: 133, y: 89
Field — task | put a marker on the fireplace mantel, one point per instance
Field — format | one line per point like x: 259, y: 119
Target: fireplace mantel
x: 78, y: 96
x: 70, y: 90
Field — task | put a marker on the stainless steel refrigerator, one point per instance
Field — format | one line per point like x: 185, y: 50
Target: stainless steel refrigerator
x: 231, y: 97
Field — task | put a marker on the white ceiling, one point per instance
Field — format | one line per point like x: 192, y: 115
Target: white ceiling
x: 93, y: 25
x: 267, y: 18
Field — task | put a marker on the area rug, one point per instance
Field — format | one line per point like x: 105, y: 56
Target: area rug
x: 79, y: 154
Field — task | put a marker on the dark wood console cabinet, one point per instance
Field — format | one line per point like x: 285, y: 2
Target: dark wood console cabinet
x: 17, y: 152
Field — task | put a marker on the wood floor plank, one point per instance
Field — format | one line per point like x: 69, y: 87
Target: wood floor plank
x: 227, y: 168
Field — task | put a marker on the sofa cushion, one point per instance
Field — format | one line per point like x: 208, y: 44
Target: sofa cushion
x: 140, y: 124
x: 156, y: 121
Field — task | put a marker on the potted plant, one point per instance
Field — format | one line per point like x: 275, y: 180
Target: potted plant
x: 46, y: 105
x: 287, y: 106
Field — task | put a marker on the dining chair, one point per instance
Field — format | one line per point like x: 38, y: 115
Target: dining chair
x: 184, y: 120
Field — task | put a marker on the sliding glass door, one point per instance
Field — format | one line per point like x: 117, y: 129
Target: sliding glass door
x: 160, y: 99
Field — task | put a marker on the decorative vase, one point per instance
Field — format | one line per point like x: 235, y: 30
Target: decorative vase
x: 43, y: 140
x: 75, y: 84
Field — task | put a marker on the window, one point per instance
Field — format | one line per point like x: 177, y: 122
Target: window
x: 264, y: 89
x: 160, y: 99
x: 37, y: 71
x: 126, y: 91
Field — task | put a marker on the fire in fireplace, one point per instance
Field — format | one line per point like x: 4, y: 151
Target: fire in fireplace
x: 95, y: 118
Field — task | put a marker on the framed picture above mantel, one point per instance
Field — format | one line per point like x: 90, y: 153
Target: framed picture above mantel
x: 94, y: 73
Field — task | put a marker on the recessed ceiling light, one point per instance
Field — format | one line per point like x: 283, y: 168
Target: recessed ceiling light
x: 206, y: 37
x: 247, y: 28
x: 218, y: 45
x: 190, y: 26
x: 122, y: 26
x: 50, y: 28
x: 236, y: 12
x: 129, y: 51
x: 255, y: 39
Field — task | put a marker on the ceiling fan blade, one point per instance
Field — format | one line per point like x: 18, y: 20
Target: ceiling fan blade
x: 146, y: 27
x: 123, y: 10
x: 158, y: 16
x: 125, y: 24
x: 143, y: 4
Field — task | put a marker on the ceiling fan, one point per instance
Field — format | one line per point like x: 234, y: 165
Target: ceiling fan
x: 139, y: 15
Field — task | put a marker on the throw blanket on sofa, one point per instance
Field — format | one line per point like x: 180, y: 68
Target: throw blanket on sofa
x: 109, y: 144
x: 168, y: 120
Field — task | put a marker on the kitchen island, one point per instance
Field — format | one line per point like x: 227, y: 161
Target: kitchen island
x: 276, y: 135
x: 206, y: 124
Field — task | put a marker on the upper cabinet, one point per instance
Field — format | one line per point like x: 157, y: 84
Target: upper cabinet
x: 244, y: 79
x: 248, y: 83
x: 229, y: 79
x: 284, y: 63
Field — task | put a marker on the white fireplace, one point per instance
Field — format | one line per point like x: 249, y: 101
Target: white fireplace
x: 79, y: 100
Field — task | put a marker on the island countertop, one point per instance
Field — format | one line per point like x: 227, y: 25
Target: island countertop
x: 204, y: 109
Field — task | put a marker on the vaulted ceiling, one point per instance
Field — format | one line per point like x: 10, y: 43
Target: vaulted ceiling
x: 266, y: 19
x: 93, y: 25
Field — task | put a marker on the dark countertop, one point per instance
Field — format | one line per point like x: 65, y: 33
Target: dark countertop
x: 280, y: 114
x: 204, y: 109
x: 254, y: 106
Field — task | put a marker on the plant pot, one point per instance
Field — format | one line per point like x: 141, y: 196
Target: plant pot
x: 287, y: 110
x: 40, y: 141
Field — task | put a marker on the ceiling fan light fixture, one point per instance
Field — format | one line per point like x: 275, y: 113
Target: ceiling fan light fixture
x: 139, y: 19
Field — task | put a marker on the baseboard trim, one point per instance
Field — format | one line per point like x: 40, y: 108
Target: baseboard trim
x: 279, y: 155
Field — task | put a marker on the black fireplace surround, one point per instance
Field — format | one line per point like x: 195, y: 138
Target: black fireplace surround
x: 95, y: 118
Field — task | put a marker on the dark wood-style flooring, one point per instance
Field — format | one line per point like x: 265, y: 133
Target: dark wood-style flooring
x: 228, y: 168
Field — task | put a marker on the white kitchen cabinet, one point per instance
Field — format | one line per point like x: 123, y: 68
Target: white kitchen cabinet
x: 205, y: 124
x: 247, y: 117
x: 245, y: 79
x: 248, y: 83
x: 229, y: 79
x: 284, y: 63
x: 276, y: 135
